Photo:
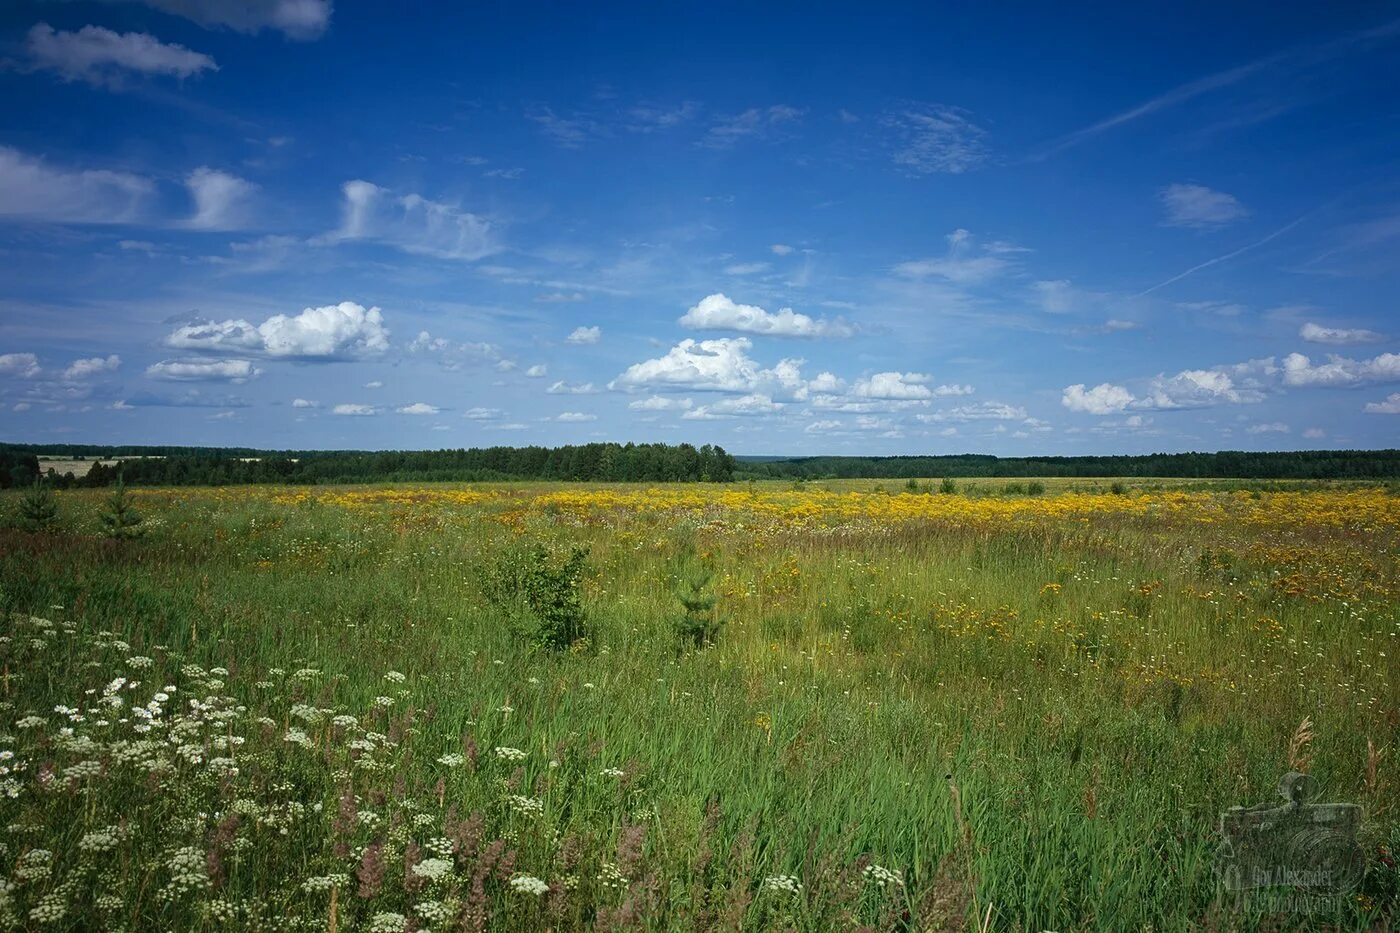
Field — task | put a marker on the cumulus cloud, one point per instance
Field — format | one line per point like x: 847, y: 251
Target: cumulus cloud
x: 781, y: 249
x: 944, y: 391
x: 563, y: 388
x: 219, y: 199
x: 295, y: 19
x: 1390, y: 406
x: 983, y: 411
x: 419, y: 408
x: 101, y: 56
x: 202, y: 371
x: 482, y: 414
x: 1200, y: 388
x: 1198, y: 206
x: 1273, y: 427
x: 719, y: 312
x: 305, y: 403
x: 1339, y: 336
x: 332, y: 332
x: 81, y: 369
x: 743, y: 406
x: 411, y: 223
x: 1102, y: 399
x: 1338, y: 371
x: 31, y: 189
x: 584, y: 335
x: 893, y: 385
x: 722, y: 365
x: 538, y: 371
x: 931, y: 139
x: 965, y: 263
x: 355, y: 411
x: 23, y: 365
x: 660, y: 403
x: 575, y: 417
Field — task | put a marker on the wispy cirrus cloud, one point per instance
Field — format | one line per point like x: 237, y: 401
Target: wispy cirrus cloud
x: 100, y: 56
x: 927, y: 139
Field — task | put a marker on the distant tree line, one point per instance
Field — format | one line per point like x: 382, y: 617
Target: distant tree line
x: 1301, y: 464
x: 212, y: 466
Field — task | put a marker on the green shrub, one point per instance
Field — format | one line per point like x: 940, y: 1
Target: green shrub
x: 948, y: 486
x: 540, y: 593
x: 1118, y: 489
x: 121, y: 521
x: 698, y: 623
x: 37, y: 510
x: 1035, y: 488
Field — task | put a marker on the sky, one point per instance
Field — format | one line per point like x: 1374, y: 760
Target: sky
x: 782, y: 228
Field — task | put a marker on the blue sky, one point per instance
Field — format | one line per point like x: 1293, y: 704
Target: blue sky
x: 937, y: 229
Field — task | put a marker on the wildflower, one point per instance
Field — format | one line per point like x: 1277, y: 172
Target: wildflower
x: 611, y: 876
x: 528, y: 884
x: 528, y: 806
x: 140, y: 662
x: 882, y: 876
x: 783, y: 883
x: 433, y: 911
x: 383, y: 702
x: 34, y: 865
x: 30, y: 722
x: 452, y: 760
x: 50, y: 909
x: 433, y: 869
x: 387, y: 922
x: 612, y: 772
x: 324, y: 883
x: 298, y: 737
x: 394, y: 677
x: 187, y: 871
x: 509, y: 754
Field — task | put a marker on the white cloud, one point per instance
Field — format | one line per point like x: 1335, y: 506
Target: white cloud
x: 1273, y: 427
x: 99, y: 56
x: 746, y: 268
x: 1298, y: 370
x: 31, y: 189
x: 332, y: 332
x: 538, y: 371
x: 304, y: 403
x: 945, y: 391
x: 1199, y: 206
x: 1316, y: 333
x: 202, y: 370
x: 1390, y: 406
x: 660, y: 403
x: 219, y: 199
x: 722, y: 364
x: 756, y: 122
x: 358, y: 411
x: 933, y: 138
x: 81, y: 369
x: 743, y: 406
x: 823, y: 427
x: 296, y: 19
x: 719, y: 312
x: 411, y: 223
x: 23, y: 365
x: 419, y: 408
x: 584, y: 335
x: 827, y: 383
x: 781, y: 249
x: 1199, y: 388
x: 575, y: 417
x: 563, y: 388
x: 1102, y: 399
x: 481, y: 414
x: 374, y: 384
x: 982, y: 411
x: 1316, y: 433
x: 1055, y: 297
x: 965, y: 262
x: 893, y: 385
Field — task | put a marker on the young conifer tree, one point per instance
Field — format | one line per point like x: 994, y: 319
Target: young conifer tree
x: 120, y: 521
x: 38, y: 511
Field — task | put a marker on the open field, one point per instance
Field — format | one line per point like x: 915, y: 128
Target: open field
x: 309, y: 708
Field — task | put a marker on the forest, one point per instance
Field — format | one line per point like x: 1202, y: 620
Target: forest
x: 612, y: 462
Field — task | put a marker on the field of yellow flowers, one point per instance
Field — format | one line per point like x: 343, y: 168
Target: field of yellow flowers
x: 300, y: 708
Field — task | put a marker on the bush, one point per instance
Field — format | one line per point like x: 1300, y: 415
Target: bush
x: 1118, y: 489
x: 540, y: 593
x: 698, y: 624
x: 1035, y: 488
x: 120, y: 521
x: 37, y: 510
x: 948, y: 486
